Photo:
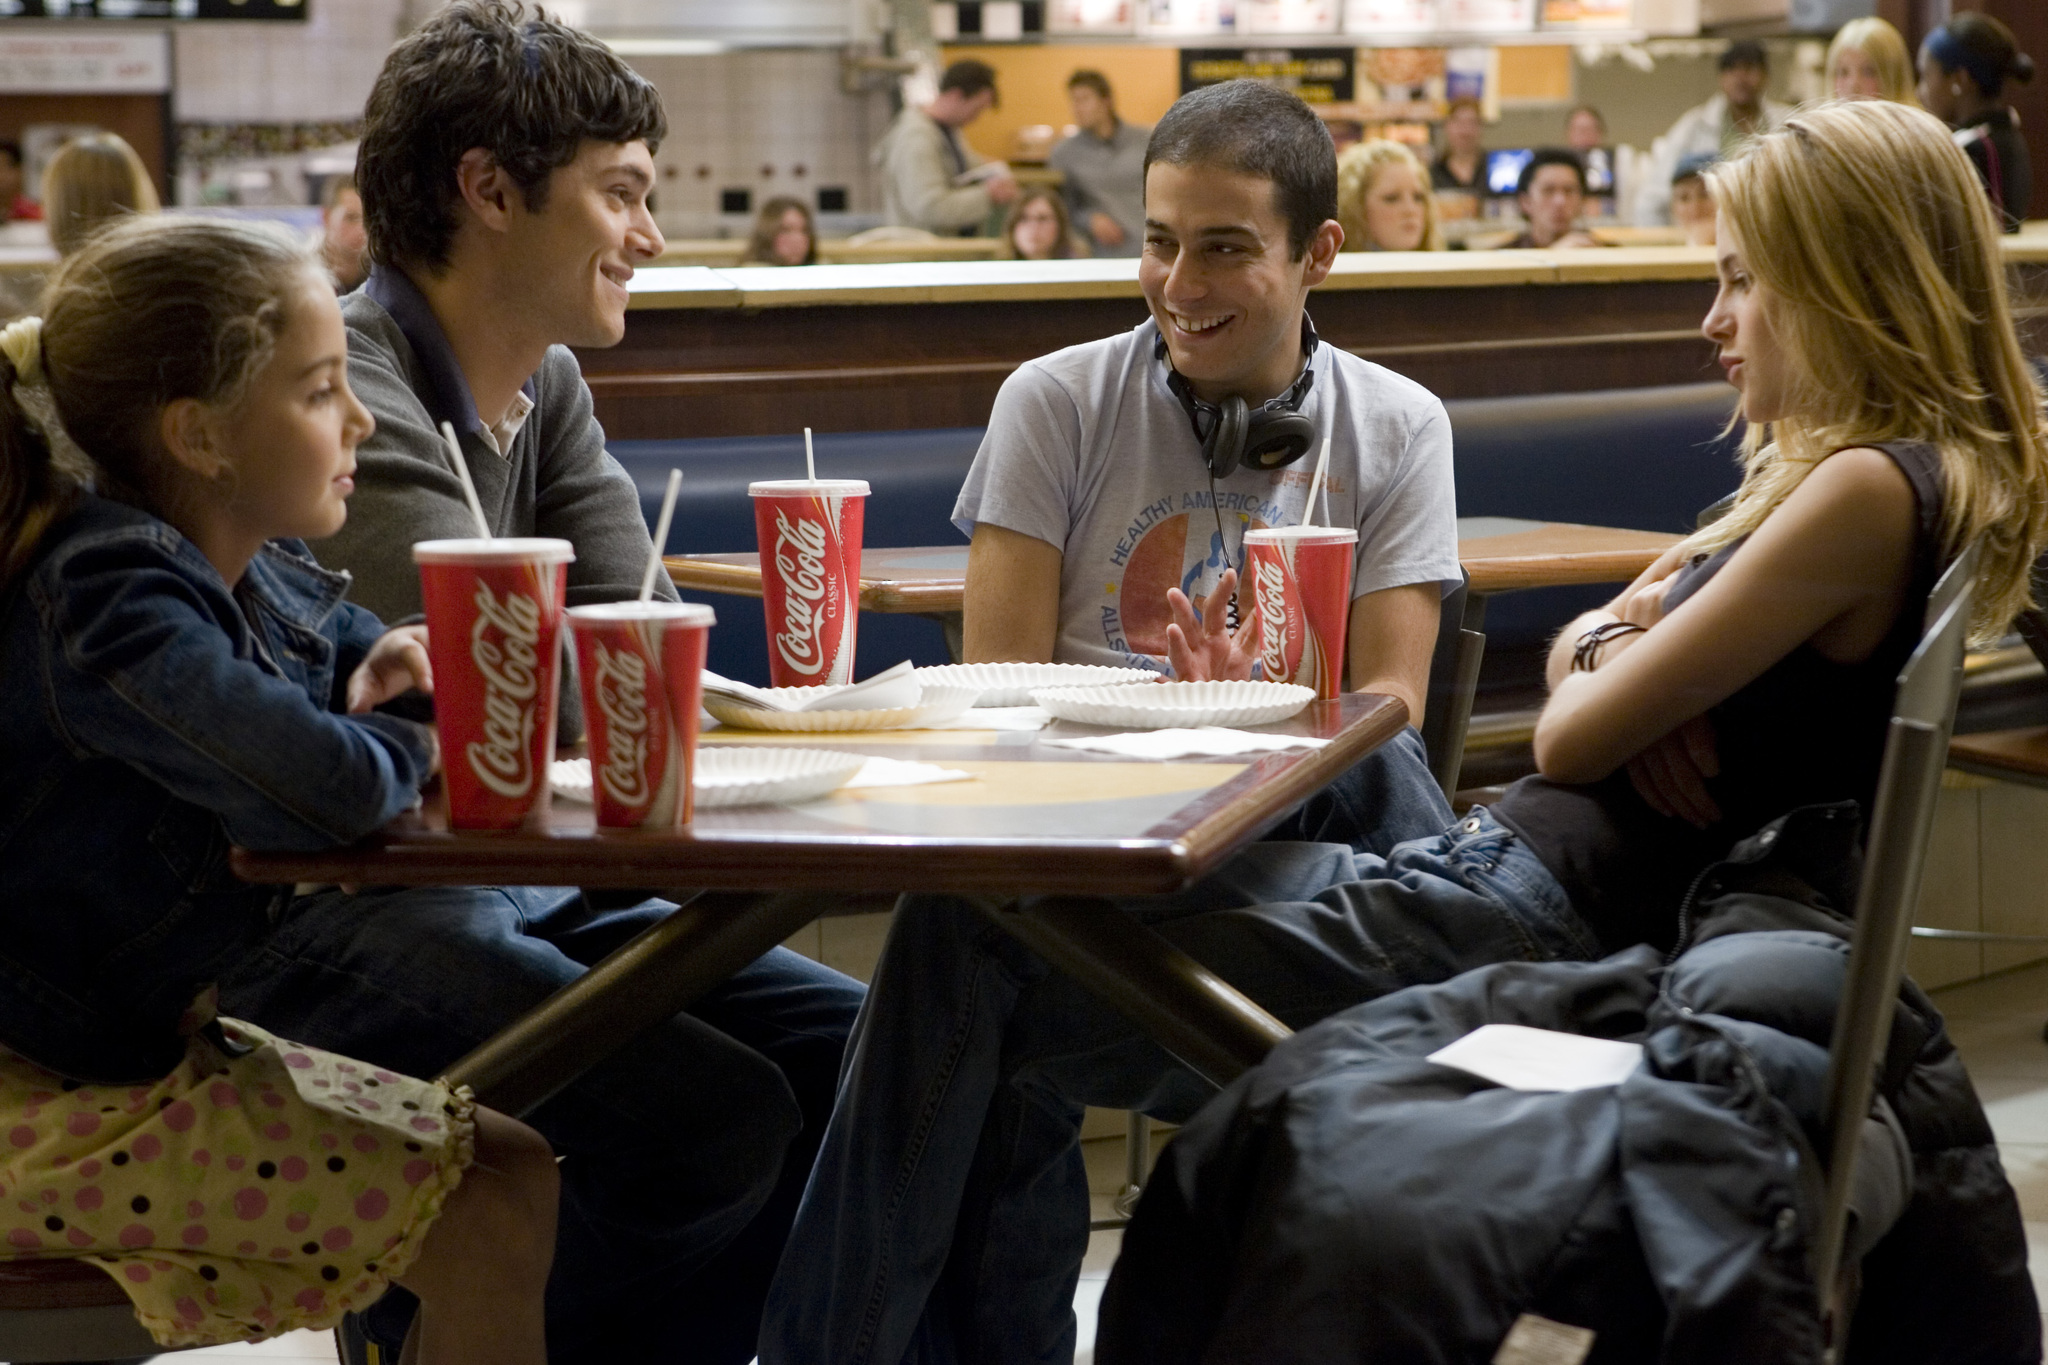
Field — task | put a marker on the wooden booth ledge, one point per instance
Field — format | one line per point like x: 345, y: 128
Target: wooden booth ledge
x: 760, y: 350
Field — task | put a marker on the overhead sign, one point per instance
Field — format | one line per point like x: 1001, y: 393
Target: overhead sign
x: 1320, y: 75
x: 289, y: 10
x: 85, y: 63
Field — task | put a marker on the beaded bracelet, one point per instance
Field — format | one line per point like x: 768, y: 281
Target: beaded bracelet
x: 1583, y: 654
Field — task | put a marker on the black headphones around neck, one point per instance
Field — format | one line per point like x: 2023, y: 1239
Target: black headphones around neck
x: 1233, y: 433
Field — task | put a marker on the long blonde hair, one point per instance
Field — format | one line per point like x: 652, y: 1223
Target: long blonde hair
x: 1880, y: 42
x: 1358, y: 167
x: 90, y: 182
x: 1878, y: 254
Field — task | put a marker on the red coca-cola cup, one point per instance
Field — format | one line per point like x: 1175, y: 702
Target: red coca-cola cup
x: 809, y: 533
x: 641, y: 665
x: 494, y: 621
x: 1300, y: 583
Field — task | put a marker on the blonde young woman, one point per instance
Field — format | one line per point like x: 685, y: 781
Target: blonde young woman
x: 90, y: 182
x: 1384, y: 201
x: 1869, y: 60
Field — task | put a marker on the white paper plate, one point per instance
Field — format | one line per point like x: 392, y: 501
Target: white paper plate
x: 940, y: 704
x: 1011, y: 684
x: 733, y: 776
x: 1165, y: 705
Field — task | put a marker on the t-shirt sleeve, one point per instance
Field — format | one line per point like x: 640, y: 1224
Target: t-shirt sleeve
x: 1024, y: 476
x: 1410, y: 534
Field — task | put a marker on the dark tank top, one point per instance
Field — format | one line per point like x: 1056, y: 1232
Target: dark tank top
x: 1806, y: 730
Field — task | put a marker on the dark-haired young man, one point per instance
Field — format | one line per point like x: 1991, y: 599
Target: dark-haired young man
x: 924, y: 162
x: 1104, y: 166
x: 504, y: 169
x: 1551, y: 192
x: 948, y: 1213
x: 1738, y: 110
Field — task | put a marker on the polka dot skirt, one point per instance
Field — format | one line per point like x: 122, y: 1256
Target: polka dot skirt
x: 238, y: 1197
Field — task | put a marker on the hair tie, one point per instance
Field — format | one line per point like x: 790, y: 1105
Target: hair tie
x: 22, y: 341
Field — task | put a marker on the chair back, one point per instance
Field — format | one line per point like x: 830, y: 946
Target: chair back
x: 1453, y: 683
x: 1915, y: 752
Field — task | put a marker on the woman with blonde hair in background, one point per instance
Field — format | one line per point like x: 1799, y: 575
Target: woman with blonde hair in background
x: 1868, y: 60
x: 1384, y: 201
x: 92, y: 180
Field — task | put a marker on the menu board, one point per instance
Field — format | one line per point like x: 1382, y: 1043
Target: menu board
x: 1489, y: 16
x: 1288, y: 16
x: 291, y: 11
x: 1091, y: 16
x: 1588, y: 13
x: 1368, y: 17
x: 1320, y: 75
x: 1189, y: 18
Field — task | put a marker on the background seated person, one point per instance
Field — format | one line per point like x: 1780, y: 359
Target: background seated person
x: 1038, y: 228
x: 91, y: 181
x: 1104, y: 166
x: 1692, y: 203
x: 15, y: 205
x: 505, y: 165
x: 344, y: 245
x: 1551, y: 194
x: 1458, y: 175
x: 1383, y: 199
x: 1868, y: 60
x: 1091, y: 505
x: 784, y: 234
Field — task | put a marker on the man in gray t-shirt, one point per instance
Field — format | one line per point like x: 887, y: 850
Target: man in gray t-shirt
x: 948, y: 1211
x: 1103, y: 165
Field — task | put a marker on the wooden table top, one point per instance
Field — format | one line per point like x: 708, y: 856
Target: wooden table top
x: 1500, y: 553
x: 1034, y: 819
x: 2017, y: 755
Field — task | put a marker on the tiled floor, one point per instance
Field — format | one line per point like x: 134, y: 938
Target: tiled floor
x: 1996, y: 1023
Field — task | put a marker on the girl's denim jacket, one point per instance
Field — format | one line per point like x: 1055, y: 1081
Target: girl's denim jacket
x: 150, y: 718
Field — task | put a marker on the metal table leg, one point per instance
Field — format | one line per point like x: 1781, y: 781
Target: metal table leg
x: 1186, y: 1008
x: 649, y: 979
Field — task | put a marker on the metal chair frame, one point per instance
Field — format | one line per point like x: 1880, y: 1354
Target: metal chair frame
x: 1916, y: 751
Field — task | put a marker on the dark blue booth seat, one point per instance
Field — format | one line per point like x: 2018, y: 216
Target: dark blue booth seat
x: 1648, y: 459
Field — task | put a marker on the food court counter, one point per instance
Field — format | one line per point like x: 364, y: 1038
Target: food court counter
x: 754, y: 351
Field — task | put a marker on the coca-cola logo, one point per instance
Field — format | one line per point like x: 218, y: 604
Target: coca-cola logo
x: 622, y: 700
x: 505, y: 645
x: 1271, y: 589
x: 800, y: 563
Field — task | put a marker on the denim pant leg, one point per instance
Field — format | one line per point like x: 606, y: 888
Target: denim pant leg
x: 1386, y: 798
x: 1015, y: 1208
x: 876, y: 1226
x: 670, y: 1147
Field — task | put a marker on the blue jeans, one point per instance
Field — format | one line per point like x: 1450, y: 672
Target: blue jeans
x: 684, y: 1153
x: 948, y: 1215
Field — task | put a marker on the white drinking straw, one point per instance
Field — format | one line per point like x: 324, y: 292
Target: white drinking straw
x: 1315, y: 485
x: 668, y: 510
x: 810, y: 457
x: 476, y: 509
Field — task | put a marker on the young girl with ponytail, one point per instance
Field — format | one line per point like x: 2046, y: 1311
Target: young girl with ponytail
x: 179, y: 676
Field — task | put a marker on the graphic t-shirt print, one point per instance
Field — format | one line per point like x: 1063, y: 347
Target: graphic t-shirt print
x: 1172, y: 542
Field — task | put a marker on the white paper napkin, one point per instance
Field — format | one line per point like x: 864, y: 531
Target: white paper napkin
x: 1208, y: 741
x: 1523, y: 1058
x: 897, y: 772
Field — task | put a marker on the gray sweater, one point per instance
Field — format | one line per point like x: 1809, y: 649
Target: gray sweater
x: 557, y: 479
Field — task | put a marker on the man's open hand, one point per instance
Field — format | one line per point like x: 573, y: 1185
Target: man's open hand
x: 1201, y: 649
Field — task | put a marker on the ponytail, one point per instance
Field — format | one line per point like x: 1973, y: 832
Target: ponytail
x: 33, y: 492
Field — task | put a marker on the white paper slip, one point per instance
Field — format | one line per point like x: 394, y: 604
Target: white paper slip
x: 897, y: 772
x: 1522, y: 1058
x: 1539, y: 1341
x: 1208, y: 741
x: 999, y: 718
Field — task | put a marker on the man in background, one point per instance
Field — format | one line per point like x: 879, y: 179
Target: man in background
x: 1552, y: 194
x: 1712, y: 129
x: 15, y: 205
x: 1104, y: 166
x: 926, y: 164
x: 344, y: 245
x: 1585, y: 129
